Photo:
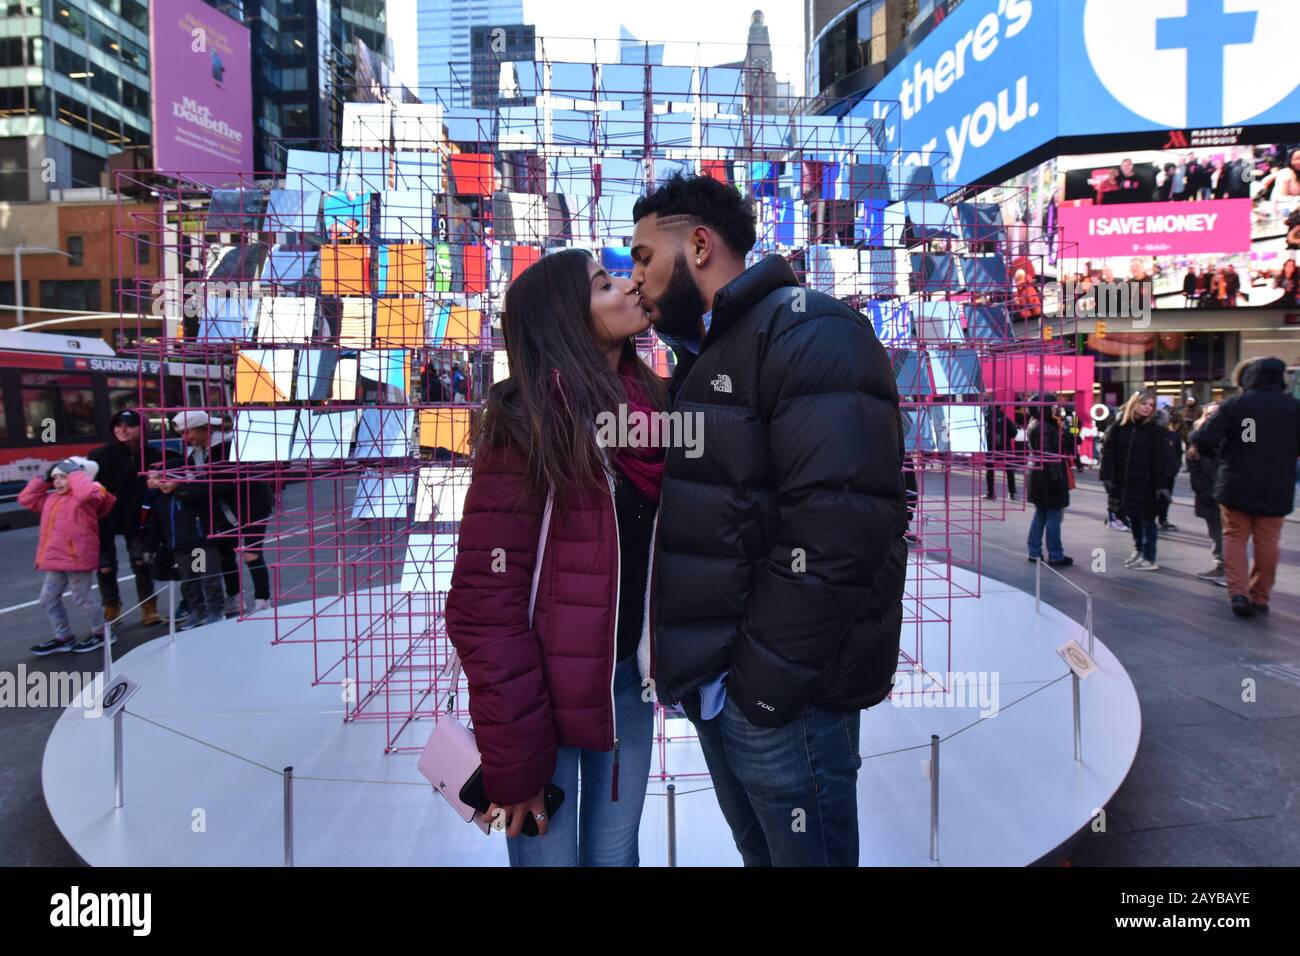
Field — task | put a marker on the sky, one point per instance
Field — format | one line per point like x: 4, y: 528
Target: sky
x: 567, y: 29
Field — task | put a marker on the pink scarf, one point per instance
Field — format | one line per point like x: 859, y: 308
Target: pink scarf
x: 644, y: 467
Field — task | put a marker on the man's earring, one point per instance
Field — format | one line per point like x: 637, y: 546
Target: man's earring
x: 698, y: 261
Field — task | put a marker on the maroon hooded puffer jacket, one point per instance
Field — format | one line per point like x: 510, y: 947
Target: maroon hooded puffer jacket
x: 535, y: 688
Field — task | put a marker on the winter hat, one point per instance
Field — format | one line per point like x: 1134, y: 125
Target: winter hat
x: 89, y: 467
x: 192, y: 418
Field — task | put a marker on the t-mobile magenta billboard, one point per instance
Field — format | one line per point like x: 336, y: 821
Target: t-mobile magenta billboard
x: 202, y: 92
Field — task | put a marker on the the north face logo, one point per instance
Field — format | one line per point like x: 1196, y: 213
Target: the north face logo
x: 722, y: 384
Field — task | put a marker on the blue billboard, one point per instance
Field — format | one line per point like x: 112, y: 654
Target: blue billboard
x: 1001, y: 78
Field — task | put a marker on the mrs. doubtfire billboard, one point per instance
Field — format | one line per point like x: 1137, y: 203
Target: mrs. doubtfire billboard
x: 202, y: 92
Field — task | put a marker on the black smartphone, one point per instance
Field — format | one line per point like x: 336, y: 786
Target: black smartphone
x: 472, y: 795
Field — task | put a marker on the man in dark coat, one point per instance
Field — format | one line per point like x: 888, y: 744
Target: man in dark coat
x: 121, y: 462
x: 1257, y: 437
x: 781, y: 556
x: 999, y: 430
x: 1047, y: 486
x: 1201, y: 469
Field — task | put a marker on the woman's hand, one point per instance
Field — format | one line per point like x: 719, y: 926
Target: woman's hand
x: 516, y: 813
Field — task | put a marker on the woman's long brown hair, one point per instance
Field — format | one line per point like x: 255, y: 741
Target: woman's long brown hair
x: 559, y: 380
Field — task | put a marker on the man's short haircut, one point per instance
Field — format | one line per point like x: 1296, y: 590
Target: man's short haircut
x: 702, y: 201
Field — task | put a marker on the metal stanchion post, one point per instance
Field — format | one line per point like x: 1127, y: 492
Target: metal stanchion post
x: 934, y: 797
x: 171, y: 610
x: 108, y: 652
x: 288, y: 816
x: 1088, y: 613
x: 1038, y: 584
x: 118, y: 789
x: 1078, y: 729
x: 672, y: 824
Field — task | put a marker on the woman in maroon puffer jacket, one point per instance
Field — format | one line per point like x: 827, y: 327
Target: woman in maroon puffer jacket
x: 548, y: 604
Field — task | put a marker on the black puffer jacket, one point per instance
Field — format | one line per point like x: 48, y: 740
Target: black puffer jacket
x: 1048, y: 486
x: 1257, y: 437
x: 781, y: 556
x: 1133, y: 467
x: 1200, y: 472
x: 1173, y: 453
x: 119, y: 473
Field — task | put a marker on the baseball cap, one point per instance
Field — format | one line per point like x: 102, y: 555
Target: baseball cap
x: 192, y: 418
x: 126, y: 416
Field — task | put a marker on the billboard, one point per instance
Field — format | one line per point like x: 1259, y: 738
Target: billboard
x: 999, y: 79
x: 202, y: 92
x: 1212, y: 227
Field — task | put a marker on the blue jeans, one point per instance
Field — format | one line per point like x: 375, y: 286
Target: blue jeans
x: 596, y: 830
x: 1144, y: 536
x: 789, y: 794
x: 1048, y: 519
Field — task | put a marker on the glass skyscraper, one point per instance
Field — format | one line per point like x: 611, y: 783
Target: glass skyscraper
x: 445, y: 52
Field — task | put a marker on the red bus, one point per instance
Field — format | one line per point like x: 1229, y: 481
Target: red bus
x: 58, y: 393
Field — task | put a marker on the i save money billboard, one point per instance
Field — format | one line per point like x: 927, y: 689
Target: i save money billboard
x: 999, y: 79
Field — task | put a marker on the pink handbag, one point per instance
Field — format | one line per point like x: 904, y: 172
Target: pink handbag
x: 451, y: 755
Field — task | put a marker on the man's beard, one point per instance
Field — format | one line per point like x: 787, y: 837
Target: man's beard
x: 681, y: 307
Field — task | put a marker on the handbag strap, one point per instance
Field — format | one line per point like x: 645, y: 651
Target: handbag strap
x: 453, y: 667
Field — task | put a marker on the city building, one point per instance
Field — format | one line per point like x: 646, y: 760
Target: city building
x: 445, y: 32
x: 75, y: 82
x: 1176, y: 198
x: 852, y: 45
x: 74, y: 89
x: 492, y: 46
x: 633, y: 51
x: 72, y: 249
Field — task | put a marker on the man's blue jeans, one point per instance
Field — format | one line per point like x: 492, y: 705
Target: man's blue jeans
x: 789, y: 793
x: 595, y: 830
x: 1048, y: 519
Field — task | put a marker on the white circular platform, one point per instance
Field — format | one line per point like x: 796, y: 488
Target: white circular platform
x: 1011, y: 790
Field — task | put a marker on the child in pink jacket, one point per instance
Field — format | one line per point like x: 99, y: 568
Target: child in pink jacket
x: 70, y: 503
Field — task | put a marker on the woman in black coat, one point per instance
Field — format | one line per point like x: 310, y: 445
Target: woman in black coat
x: 1133, y: 471
x: 1201, y: 469
x: 1047, y: 486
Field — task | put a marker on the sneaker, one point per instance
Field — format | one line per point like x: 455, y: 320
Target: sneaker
x: 1259, y: 608
x: 1142, y: 564
x: 1212, y: 574
x: 234, y: 605
x: 1241, y: 606
x: 1062, y: 562
x: 1168, y: 527
x: 55, y: 645
x: 190, y: 621
x: 93, y: 643
x: 990, y: 497
x: 216, y: 618
x: 1132, y: 558
x: 1034, y: 560
x: 261, y: 604
x: 1116, y: 525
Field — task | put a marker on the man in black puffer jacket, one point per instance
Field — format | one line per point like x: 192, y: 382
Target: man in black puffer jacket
x: 1257, y: 437
x: 780, y: 549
